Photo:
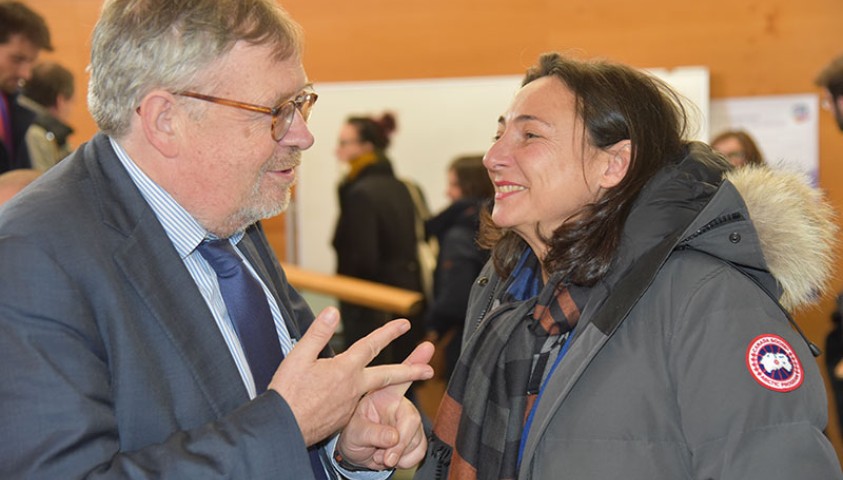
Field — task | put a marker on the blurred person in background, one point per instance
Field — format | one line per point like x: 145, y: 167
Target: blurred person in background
x: 375, y: 234
x: 23, y: 34
x: 738, y: 147
x: 460, y: 259
x: 49, y: 93
x: 830, y: 80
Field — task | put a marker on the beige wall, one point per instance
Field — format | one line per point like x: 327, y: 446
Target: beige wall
x: 752, y: 47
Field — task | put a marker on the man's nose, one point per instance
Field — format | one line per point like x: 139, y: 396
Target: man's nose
x: 25, y: 70
x: 299, y: 134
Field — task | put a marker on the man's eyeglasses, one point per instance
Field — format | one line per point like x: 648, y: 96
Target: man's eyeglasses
x: 282, y: 115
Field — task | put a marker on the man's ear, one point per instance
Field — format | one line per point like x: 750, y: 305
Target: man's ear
x: 157, y: 116
x: 617, y: 158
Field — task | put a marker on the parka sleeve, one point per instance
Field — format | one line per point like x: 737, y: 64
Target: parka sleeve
x: 750, y: 395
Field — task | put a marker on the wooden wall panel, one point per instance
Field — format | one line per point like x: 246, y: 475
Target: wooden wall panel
x: 752, y: 47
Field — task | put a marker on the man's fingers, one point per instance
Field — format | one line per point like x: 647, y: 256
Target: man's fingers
x: 367, y: 348
x: 318, y: 335
x: 421, y: 354
x: 410, y: 433
x: 378, y: 436
x: 411, y: 455
x: 391, y: 375
x: 381, y: 376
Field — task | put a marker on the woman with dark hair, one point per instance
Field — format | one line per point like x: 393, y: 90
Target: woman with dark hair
x: 628, y: 324
x: 375, y: 235
x: 738, y: 148
x: 460, y: 259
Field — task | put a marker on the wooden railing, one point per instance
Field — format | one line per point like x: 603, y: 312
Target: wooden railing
x: 353, y: 290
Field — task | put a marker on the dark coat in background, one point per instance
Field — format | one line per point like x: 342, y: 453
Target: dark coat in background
x: 375, y: 240
x: 21, y: 118
x: 459, y: 262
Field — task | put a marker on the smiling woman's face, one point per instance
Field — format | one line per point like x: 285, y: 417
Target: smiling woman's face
x: 541, y: 173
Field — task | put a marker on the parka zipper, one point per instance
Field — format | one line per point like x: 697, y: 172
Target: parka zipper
x: 488, y: 303
x: 442, y: 457
x: 717, y: 222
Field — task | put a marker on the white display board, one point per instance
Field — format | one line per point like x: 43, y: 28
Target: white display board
x: 438, y: 120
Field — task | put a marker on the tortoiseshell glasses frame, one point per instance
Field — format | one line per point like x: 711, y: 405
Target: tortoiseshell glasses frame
x: 282, y: 115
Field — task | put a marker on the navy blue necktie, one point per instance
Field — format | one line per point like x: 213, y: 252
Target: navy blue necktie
x: 248, y: 308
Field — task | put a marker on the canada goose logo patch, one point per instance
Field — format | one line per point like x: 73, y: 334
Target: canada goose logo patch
x: 773, y: 364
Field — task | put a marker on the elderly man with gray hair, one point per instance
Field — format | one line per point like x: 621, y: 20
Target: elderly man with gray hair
x: 146, y: 328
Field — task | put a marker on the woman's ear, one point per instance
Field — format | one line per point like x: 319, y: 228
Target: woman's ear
x: 617, y: 158
x: 157, y: 116
x: 367, y: 147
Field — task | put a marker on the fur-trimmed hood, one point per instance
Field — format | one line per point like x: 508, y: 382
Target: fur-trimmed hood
x: 771, y: 224
x: 796, y: 227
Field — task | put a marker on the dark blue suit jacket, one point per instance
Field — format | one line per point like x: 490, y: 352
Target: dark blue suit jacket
x: 112, y: 364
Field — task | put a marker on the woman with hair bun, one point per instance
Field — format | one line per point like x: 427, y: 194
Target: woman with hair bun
x: 375, y: 236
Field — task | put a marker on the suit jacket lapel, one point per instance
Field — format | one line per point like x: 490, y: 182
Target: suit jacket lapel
x: 257, y: 251
x: 154, y: 269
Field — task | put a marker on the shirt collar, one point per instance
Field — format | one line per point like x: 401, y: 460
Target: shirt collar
x: 181, y: 227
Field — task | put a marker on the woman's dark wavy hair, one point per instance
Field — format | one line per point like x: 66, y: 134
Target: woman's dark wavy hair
x: 615, y: 103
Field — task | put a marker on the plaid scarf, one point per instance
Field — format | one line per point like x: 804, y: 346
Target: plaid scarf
x: 477, y: 431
